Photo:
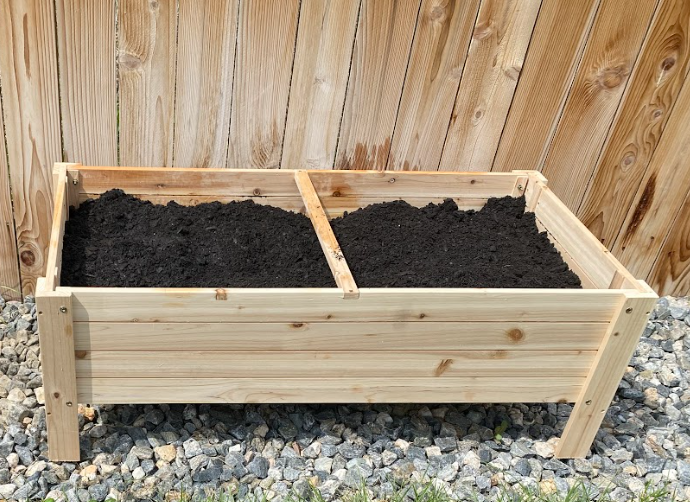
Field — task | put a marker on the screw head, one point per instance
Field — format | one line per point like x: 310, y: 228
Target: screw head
x: 520, y: 188
x: 628, y: 310
x: 63, y: 310
x: 588, y: 402
x: 75, y: 181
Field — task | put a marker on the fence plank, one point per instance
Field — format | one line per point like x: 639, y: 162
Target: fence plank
x: 670, y: 274
x: 436, y: 63
x: 10, y: 284
x: 496, y: 56
x: 593, y: 100
x: 147, y: 46
x: 652, y: 91
x: 86, y: 47
x: 265, y: 49
x: 205, y: 63
x: 554, y: 52
x: 32, y: 124
x: 379, y: 60
x: 662, y: 192
x: 317, y: 94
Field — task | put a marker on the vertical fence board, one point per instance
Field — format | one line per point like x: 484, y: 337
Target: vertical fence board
x: 601, y: 79
x: 662, y: 193
x: 10, y: 285
x: 438, y: 56
x: 671, y: 272
x: 205, y: 62
x: 322, y: 62
x: 146, y: 55
x: 88, y: 94
x: 654, y: 86
x: 28, y: 67
x: 265, y: 52
x: 379, y: 60
x: 554, y: 52
x: 493, y: 66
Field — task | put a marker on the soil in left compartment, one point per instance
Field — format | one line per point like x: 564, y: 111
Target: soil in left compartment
x: 118, y: 240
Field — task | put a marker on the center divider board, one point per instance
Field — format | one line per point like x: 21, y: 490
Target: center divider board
x: 310, y: 364
x: 329, y: 390
x: 327, y: 304
x: 339, y: 336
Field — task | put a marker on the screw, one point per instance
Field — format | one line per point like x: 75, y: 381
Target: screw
x: 628, y: 310
x: 392, y: 180
x: 588, y: 402
x: 69, y: 403
x: 63, y: 310
x: 520, y: 188
x: 75, y: 181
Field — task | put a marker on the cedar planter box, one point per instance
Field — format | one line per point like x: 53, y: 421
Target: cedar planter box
x: 340, y: 344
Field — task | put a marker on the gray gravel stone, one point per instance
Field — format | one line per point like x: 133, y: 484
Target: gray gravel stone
x: 258, y: 467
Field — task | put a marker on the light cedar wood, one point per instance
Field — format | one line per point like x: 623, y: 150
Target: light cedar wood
x: 377, y: 72
x: 553, y: 56
x: 10, y: 283
x: 671, y: 272
x: 265, y: 51
x: 601, y: 78
x: 324, y: 232
x: 433, y: 75
x: 59, y: 377
x: 28, y: 65
x: 319, y: 80
x: 494, y: 62
x: 327, y: 336
x: 642, y: 117
x: 60, y: 213
x: 663, y: 190
x: 342, y: 364
x: 88, y: 94
x: 146, y: 54
x: 328, y: 390
x: 206, y: 38
x: 327, y: 304
x: 606, y: 373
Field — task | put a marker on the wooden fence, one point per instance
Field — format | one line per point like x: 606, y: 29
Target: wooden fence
x: 591, y: 92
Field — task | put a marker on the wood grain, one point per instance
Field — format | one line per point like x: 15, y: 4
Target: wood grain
x: 28, y: 65
x: 494, y: 63
x: 265, y: 51
x: 379, y: 63
x: 88, y: 94
x: 436, y: 64
x: 663, y: 190
x: 653, y: 89
x: 554, y: 53
x: 10, y: 283
x: 205, y: 64
x: 146, y: 54
x: 601, y: 78
x: 331, y: 390
x: 322, y: 63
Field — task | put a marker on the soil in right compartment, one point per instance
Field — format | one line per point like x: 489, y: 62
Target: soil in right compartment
x: 394, y: 244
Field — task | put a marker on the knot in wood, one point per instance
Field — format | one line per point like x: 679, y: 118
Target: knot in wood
x: 668, y: 63
x: 612, y: 77
x: 28, y: 258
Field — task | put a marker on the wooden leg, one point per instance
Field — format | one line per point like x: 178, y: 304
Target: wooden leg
x: 59, y: 377
x: 609, y: 366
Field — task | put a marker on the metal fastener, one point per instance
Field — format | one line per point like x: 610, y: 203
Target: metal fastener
x: 69, y: 403
x: 63, y: 310
x: 75, y: 181
x: 628, y: 310
x: 588, y: 402
x: 520, y: 188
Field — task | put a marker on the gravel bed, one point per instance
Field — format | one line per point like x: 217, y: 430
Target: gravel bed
x: 151, y: 452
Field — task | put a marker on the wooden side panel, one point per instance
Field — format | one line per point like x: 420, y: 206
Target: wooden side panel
x: 601, y: 78
x: 86, y: 43
x: 10, y: 283
x: 328, y: 336
x: 671, y: 272
x: 653, y: 89
x: 146, y: 55
x: 265, y: 49
x: 436, y: 64
x: 306, y: 305
x: 662, y: 192
x: 331, y: 390
x: 322, y: 63
x: 205, y: 62
x: 379, y: 63
x: 28, y: 64
x: 554, y: 53
x: 494, y: 63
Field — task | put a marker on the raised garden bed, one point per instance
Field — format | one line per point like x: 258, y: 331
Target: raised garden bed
x: 343, y: 343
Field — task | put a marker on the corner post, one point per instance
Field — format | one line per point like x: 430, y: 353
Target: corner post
x: 605, y: 374
x: 56, y: 338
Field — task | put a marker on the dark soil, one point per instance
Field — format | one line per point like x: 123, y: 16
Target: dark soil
x: 119, y: 240
x: 397, y: 245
